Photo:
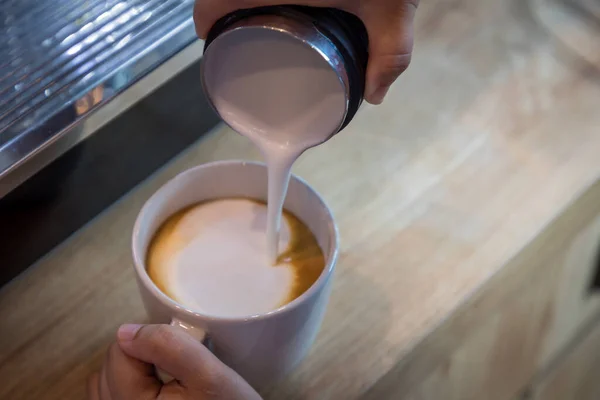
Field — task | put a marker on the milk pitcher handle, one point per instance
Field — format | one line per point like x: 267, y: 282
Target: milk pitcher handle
x: 196, y: 333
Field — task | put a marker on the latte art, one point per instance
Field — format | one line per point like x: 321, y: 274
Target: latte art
x: 212, y: 258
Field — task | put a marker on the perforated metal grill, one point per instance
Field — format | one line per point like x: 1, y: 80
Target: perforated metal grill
x: 53, y: 52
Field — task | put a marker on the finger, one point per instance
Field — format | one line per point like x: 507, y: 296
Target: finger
x: 390, y: 46
x: 128, y: 378
x: 92, y: 387
x: 103, y: 389
x: 207, y: 12
x: 185, y: 359
x: 171, y: 350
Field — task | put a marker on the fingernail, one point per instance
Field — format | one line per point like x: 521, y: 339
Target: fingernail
x: 127, y: 332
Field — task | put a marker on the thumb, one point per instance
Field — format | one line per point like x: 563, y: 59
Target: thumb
x: 181, y: 356
x: 390, y: 46
x: 171, y: 350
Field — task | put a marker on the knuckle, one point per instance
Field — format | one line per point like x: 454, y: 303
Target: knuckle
x: 400, y: 62
x: 392, y: 66
x: 162, y: 336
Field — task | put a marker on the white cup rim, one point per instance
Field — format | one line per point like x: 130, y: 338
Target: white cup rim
x: 139, y: 263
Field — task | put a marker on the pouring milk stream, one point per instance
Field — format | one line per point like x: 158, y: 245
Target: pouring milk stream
x: 279, y: 80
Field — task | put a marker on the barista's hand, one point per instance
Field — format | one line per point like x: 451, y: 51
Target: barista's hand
x: 128, y: 372
x: 389, y: 23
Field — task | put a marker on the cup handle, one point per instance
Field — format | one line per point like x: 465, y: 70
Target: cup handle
x: 196, y: 333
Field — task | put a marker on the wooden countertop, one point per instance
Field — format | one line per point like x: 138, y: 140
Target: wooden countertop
x: 488, y: 137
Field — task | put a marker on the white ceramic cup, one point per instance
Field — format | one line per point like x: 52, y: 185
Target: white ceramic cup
x: 263, y: 347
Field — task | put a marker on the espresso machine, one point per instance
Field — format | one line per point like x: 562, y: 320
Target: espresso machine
x: 95, y: 95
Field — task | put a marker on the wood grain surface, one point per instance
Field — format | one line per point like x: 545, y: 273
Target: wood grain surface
x: 489, y: 137
x: 575, y: 376
x: 515, y: 326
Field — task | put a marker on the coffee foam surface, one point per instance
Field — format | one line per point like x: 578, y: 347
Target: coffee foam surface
x: 213, y: 258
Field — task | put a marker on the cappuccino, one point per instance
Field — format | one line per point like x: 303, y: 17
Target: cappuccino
x: 212, y: 258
